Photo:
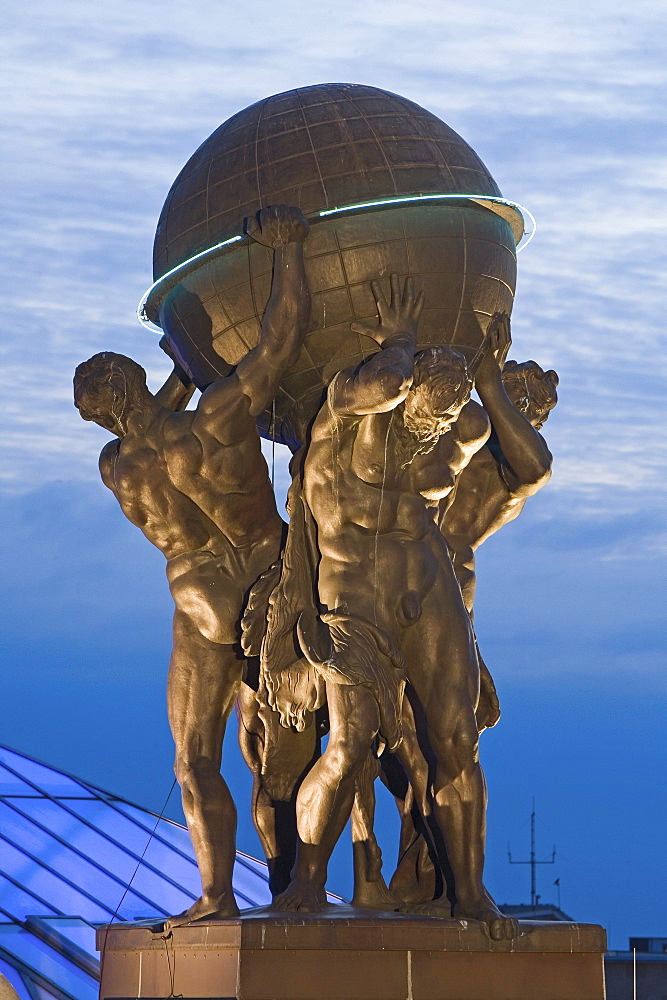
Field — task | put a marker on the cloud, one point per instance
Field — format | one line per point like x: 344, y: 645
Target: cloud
x: 562, y: 104
x: 80, y: 573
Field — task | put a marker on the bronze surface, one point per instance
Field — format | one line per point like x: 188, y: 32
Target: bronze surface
x: 386, y: 447
x: 357, y: 339
x: 354, y: 956
x: 318, y: 147
x: 196, y: 483
x: 491, y: 491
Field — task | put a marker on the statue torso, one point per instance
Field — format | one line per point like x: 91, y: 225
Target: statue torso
x: 482, y: 503
x: 375, y: 509
x: 189, y: 491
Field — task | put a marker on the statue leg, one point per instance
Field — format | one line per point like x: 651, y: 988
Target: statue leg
x: 416, y: 879
x: 406, y: 774
x: 204, y: 679
x: 370, y: 888
x: 324, y: 802
x: 274, y: 808
x: 444, y: 671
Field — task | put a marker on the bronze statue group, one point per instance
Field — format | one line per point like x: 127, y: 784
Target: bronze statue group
x: 351, y: 628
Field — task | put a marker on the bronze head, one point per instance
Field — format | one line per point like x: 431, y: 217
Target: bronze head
x: 440, y: 389
x: 531, y: 389
x: 107, y: 388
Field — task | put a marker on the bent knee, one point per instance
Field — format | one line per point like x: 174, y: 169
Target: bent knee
x: 194, y: 771
x: 458, y: 748
x: 344, y: 760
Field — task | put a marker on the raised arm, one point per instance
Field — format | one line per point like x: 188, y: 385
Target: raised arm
x: 177, y: 391
x: 287, y: 314
x: 526, y: 460
x: 382, y: 382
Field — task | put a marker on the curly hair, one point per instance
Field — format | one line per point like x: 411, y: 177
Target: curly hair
x: 540, y: 386
x: 443, y: 374
x: 116, y: 371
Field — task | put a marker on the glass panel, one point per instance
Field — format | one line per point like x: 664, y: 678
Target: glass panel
x: 65, y: 862
x: 117, y: 825
x: 174, y: 834
x: 11, y: 785
x: 254, y: 863
x: 107, y: 819
x: 113, y: 858
x: 39, y: 956
x: 78, y: 931
x: 165, y: 896
x: 49, y: 886
x: 18, y: 902
x: 42, y: 993
x: 181, y: 871
x: 51, y: 781
x: 251, y: 885
x: 254, y: 888
x: 14, y: 977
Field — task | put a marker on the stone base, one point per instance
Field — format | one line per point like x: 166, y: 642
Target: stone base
x: 351, y: 954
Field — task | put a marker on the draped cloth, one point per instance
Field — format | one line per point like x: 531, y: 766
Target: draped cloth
x: 301, y: 648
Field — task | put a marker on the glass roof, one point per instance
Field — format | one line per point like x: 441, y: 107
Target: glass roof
x: 73, y: 856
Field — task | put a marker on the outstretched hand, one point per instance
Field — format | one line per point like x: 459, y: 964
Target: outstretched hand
x: 500, y: 337
x: 398, y: 316
x: 498, y: 343
x: 278, y: 225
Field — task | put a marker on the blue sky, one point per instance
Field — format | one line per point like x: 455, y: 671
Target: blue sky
x: 102, y: 106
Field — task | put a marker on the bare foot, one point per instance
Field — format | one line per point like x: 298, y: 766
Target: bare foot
x: 484, y: 909
x: 301, y: 896
x: 375, y: 895
x: 204, y: 908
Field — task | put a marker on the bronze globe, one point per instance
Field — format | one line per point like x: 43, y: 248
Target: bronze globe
x: 333, y: 146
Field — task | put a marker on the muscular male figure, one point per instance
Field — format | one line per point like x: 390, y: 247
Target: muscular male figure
x: 385, y: 448
x: 197, y: 485
x: 490, y: 491
x: 514, y: 464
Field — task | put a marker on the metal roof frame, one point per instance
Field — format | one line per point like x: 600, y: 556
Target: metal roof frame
x: 33, y: 943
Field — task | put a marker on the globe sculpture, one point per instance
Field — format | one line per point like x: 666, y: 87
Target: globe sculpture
x: 386, y: 186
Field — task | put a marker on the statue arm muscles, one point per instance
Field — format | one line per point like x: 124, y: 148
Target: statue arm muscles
x: 177, y: 391
x: 473, y: 429
x: 287, y: 314
x: 463, y: 561
x: 526, y: 463
x: 379, y: 385
x: 382, y: 382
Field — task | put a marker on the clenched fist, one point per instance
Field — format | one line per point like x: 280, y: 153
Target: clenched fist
x: 277, y: 226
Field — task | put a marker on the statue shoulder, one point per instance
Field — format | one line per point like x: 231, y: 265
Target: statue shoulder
x: 108, y: 457
x: 331, y: 415
x: 224, y: 412
x: 473, y: 424
x: 177, y: 424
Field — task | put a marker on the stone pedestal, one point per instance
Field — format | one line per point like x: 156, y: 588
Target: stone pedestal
x: 351, y: 954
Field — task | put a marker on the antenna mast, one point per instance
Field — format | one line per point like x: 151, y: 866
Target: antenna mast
x: 533, y: 861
